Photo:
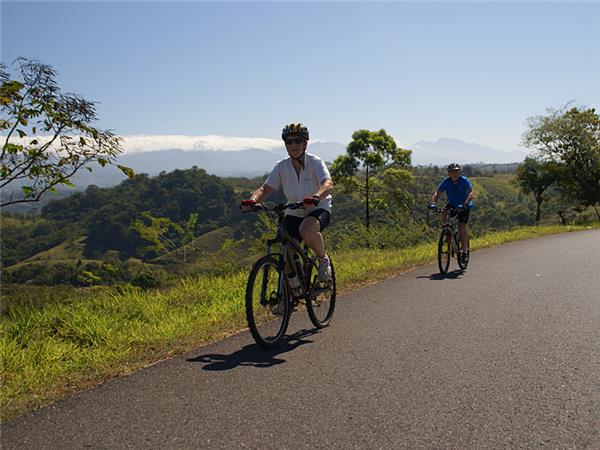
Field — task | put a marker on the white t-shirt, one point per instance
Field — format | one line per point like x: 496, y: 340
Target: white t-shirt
x: 297, y: 187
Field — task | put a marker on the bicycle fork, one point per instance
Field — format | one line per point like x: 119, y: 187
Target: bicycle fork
x: 265, y: 297
x: 455, y: 242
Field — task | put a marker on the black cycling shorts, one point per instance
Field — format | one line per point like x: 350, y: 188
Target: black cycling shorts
x: 463, y: 214
x: 292, y: 223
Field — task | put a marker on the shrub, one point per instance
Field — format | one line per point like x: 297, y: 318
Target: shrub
x: 146, y: 280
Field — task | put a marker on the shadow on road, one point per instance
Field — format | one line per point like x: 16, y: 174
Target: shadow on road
x: 254, y: 355
x: 454, y: 275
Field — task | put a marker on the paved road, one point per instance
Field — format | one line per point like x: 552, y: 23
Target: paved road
x: 506, y: 355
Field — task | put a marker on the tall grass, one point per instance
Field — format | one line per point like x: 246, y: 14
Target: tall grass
x: 49, y: 351
x: 65, y: 346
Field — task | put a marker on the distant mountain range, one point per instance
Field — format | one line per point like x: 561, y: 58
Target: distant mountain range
x: 254, y: 162
x: 447, y: 150
x: 225, y: 163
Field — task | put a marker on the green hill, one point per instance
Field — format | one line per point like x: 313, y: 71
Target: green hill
x: 151, y: 230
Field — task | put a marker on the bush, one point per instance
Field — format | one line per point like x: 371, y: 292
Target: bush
x: 146, y: 280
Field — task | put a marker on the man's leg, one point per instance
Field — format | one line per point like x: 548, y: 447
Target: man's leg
x: 310, y: 230
x: 463, y: 234
x: 463, y: 229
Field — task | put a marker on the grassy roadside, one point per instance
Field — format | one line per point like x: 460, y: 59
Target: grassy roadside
x: 47, y: 353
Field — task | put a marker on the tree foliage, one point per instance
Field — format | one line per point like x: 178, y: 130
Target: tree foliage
x: 570, y: 137
x: 376, y: 168
x: 146, y: 216
x: 50, y: 135
x: 99, y: 226
x: 535, y: 176
x: 164, y: 235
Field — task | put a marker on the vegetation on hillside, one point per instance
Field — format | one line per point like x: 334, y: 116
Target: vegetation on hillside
x: 149, y: 230
x: 567, y: 163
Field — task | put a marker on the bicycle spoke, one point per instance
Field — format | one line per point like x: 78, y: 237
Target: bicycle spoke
x: 444, y: 251
x: 267, y: 306
x: 321, y: 302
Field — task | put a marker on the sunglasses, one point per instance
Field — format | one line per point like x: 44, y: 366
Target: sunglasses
x: 294, y: 141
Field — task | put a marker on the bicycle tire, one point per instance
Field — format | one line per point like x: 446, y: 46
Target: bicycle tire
x: 444, y: 251
x: 320, y: 302
x: 267, y: 322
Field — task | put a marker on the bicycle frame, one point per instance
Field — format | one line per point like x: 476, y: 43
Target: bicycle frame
x: 288, y: 246
x: 451, y: 224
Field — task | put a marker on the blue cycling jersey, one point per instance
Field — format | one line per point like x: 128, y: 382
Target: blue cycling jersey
x: 456, y: 192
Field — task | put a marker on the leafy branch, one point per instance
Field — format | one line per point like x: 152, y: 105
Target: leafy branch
x: 50, y: 135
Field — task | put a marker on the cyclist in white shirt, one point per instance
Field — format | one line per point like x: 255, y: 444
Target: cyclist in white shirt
x: 303, y: 177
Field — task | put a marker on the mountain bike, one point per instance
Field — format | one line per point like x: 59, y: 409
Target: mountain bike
x: 449, y: 242
x: 280, y: 281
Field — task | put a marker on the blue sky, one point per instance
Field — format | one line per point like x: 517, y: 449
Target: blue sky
x: 472, y: 71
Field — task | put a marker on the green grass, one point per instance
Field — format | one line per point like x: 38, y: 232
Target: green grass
x: 66, y: 346
x: 67, y: 250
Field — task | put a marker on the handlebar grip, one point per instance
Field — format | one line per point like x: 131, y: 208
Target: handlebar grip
x: 311, y: 200
x: 254, y: 205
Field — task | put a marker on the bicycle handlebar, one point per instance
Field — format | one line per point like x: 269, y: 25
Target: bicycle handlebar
x: 437, y: 209
x: 278, y: 208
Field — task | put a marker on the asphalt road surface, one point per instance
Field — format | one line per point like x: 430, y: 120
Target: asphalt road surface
x: 504, y: 355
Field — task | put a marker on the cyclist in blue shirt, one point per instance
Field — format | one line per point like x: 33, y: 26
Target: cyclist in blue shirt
x: 459, y: 191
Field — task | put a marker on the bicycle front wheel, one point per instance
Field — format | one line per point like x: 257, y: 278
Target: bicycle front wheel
x: 267, y: 302
x: 320, y: 302
x: 444, y: 251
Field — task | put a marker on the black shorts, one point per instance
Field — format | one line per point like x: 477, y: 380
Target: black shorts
x: 292, y: 223
x: 463, y: 214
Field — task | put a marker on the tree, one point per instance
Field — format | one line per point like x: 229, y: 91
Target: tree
x: 535, y: 176
x: 571, y: 138
x: 161, y: 232
x: 68, y: 141
x: 373, y: 164
x: 164, y: 234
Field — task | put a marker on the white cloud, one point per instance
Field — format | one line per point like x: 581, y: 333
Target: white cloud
x: 151, y: 143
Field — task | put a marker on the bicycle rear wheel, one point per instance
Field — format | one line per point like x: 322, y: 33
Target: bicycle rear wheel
x: 444, y: 251
x: 320, y: 302
x: 267, y: 303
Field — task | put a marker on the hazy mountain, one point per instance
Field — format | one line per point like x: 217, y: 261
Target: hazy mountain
x: 254, y: 162
x: 249, y: 162
x: 447, y: 150
x: 241, y: 163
